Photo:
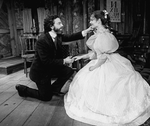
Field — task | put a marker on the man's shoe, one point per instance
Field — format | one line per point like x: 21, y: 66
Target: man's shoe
x: 58, y: 93
x: 21, y: 90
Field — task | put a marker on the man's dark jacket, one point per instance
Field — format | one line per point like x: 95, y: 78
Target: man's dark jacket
x: 47, y: 57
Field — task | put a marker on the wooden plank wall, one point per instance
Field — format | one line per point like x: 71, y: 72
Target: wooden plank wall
x: 5, y: 48
x: 14, y: 40
x: 75, y: 17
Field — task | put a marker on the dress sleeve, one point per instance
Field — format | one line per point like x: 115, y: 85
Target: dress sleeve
x: 105, y: 43
x: 91, y: 54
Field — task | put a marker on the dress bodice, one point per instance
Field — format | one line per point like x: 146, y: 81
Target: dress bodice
x: 102, y: 42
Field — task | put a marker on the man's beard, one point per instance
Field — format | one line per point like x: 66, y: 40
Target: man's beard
x: 58, y: 31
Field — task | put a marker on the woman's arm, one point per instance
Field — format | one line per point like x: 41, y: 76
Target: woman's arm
x: 100, y: 61
x: 90, y: 55
x: 84, y: 56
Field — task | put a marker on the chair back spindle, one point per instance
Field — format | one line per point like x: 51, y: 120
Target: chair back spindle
x: 27, y: 50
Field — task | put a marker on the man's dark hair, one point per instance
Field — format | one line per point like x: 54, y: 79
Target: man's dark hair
x: 49, y: 22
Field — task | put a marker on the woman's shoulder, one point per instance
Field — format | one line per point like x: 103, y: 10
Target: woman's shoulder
x: 107, y: 39
x: 106, y: 35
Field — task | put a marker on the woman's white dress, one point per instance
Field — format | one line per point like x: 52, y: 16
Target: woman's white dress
x: 113, y: 94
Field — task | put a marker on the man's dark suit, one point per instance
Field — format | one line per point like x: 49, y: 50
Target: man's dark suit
x: 48, y: 62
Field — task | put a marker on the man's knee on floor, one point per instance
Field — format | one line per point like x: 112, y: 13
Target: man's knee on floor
x: 45, y: 97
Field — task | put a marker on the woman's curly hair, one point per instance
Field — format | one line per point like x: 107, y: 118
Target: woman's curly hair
x: 49, y: 22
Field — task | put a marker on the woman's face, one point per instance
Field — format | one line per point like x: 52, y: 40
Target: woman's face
x: 94, y: 22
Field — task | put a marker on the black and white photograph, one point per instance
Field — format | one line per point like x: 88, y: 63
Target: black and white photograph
x: 74, y: 63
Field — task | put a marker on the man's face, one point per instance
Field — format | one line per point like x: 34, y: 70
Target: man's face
x: 58, y: 25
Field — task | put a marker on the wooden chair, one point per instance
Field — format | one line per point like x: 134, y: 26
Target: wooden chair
x: 126, y: 48
x: 27, y: 50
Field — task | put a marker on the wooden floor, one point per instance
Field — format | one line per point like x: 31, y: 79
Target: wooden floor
x: 18, y: 111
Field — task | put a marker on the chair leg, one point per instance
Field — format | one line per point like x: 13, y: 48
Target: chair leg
x: 25, y: 67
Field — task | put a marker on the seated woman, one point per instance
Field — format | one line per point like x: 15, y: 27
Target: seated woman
x: 107, y: 91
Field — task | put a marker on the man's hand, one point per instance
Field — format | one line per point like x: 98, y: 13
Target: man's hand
x: 68, y: 60
x: 86, y: 31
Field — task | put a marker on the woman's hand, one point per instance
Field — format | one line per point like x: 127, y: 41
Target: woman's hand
x: 92, y: 68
